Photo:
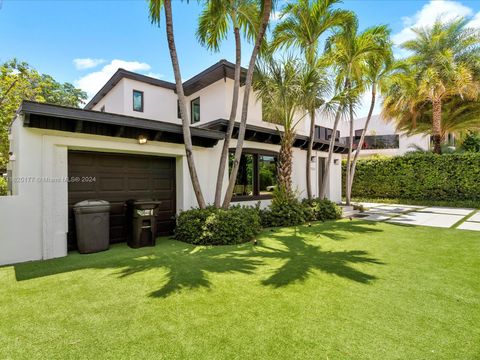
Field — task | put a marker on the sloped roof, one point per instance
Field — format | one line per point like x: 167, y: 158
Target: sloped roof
x: 220, y: 70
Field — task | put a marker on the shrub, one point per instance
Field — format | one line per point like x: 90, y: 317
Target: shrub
x: 321, y: 210
x: 285, y: 210
x: 217, y: 226
x: 3, y: 186
x: 447, y: 177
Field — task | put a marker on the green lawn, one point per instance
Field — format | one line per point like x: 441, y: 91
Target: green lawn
x: 336, y: 290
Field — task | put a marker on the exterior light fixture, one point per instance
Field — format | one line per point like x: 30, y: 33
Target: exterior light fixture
x: 335, y: 161
x: 313, y: 159
x: 142, y: 140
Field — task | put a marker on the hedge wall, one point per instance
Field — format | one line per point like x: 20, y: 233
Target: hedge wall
x: 419, y: 177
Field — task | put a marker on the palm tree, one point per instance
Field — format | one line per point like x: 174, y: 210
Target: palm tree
x: 279, y: 84
x: 379, y: 66
x: 301, y: 26
x: 266, y: 9
x: 444, y: 64
x: 213, y: 26
x: 458, y: 116
x: 347, y: 50
x: 155, y: 7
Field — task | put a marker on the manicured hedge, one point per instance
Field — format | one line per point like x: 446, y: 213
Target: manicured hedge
x: 217, y: 226
x: 419, y: 177
x: 3, y: 186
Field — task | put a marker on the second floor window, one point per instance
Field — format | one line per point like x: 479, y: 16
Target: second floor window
x: 137, y: 100
x: 195, y: 110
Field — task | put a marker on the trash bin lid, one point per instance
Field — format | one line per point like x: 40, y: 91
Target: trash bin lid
x: 91, y: 206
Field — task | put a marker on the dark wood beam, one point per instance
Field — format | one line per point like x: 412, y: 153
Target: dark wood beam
x: 79, y: 126
x: 158, y: 136
x: 120, y: 131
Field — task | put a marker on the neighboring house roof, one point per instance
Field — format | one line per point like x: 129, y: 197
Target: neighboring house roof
x: 272, y: 136
x: 62, y: 118
x: 220, y: 70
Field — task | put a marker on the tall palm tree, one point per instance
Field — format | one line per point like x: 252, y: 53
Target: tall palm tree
x: 301, y: 26
x: 213, y: 27
x: 155, y: 7
x: 444, y: 64
x: 279, y: 84
x: 379, y: 67
x: 347, y: 51
x: 266, y: 9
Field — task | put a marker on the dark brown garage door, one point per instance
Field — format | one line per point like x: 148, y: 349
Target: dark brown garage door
x: 117, y: 178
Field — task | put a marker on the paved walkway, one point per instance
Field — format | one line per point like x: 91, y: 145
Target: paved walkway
x: 445, y: 217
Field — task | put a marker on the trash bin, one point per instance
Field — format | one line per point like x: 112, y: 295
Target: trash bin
x: 92, y: 222
x: 141, y: 222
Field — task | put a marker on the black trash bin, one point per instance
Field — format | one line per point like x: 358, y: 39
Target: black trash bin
x: 92, y: 223
x: 141, y: 222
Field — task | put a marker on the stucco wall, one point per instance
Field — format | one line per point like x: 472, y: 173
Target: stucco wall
x: 34, y: 221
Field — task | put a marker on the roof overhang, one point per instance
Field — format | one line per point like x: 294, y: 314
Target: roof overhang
x: 54, y: 117
x: 221, y: 70
x: 272, y: 136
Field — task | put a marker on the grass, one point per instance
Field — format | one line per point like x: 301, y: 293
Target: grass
x: 336, y: 290
x: 475, y: 204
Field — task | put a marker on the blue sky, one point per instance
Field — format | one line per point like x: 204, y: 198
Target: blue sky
x: 104, y: 35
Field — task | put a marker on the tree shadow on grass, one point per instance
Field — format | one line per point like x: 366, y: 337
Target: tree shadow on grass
x: 302, y: 258
x: 187, y: 266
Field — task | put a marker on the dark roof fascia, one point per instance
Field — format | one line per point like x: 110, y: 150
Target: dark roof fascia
x: 301, y: 141
x: 29, y: 107
x: 119, y: 75
x: 189, y: 87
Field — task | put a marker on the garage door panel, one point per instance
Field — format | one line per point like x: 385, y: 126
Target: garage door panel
x: 111, y: 184
x: 121, y: 177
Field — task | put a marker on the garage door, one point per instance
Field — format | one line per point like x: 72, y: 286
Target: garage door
x: 117, y: 178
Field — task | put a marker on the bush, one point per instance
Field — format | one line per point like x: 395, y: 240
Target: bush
x: 217, y: 226
x: 447, y: 177
x: 321, y: 210
x: 285, y: 210
x: 3, y: 186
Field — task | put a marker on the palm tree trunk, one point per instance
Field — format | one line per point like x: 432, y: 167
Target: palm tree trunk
x: 284, y: 170
x: 309, y: 154
x: 349, y: 156
x: 326, y: 173
x: 362, y: 138
x: 231, y: 121
x: 267, y: 7
x: 183, y: 107
x: 437, y: 126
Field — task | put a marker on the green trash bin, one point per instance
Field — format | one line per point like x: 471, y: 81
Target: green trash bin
x: 92, y: 225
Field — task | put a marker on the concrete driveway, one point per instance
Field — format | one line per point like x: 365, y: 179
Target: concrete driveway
x: 435, y: 216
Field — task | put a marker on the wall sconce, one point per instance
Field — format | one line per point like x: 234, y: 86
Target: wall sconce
x: 313, y: 159
x: 142, y: 140
x: 336, y: 161
x: 11, y: 156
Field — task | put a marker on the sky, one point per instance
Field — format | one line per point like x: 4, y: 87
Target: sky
x: 85, y: 42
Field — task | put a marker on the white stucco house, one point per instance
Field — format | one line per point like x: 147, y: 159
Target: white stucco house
x: 127, y: 143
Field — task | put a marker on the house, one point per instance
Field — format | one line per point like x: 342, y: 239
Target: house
x: 382, y: 138
x: 127, y: 143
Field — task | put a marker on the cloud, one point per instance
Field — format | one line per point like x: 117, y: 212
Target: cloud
x: 93, y: 81
x: 87, y: 63
x: 446, y: 10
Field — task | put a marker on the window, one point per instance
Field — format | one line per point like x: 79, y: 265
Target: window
x: 257, y: 175
x: 195, y: 110
x: 379, y: 142
x: 324, y: 133
x: 137, y: 100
